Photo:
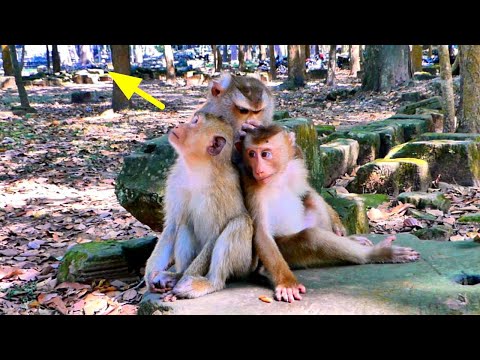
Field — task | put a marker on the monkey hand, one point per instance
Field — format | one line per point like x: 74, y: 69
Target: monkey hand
x: 339, y: 229
x: 289, y: 292
x: 161, y: 281
x: 190, y: 287
x: 248, y: 125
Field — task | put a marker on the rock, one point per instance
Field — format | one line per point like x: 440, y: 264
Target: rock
x: 454, y: 161
x: 470, y: 218
x: 369, y: 143
x: 140, y: 185
x: 422, y: 200
x: 421, y: 215
x: 317, y: 74
x: 436, y: 232
x: 104, y: 78
x: 436, y: 116
x: 423, y: 76
x: 391, y: 176
x: 55, y: 82
x: 338, y: 93
x: 449, y: 136
x: 423, y: 287
x: 338, y: 158
x: 7, y: 82
x: 351, y: 208
x: 435, y: 85
x: 40, y: 82
x: 431, y: 103
x: 411, y: 97
x: 324, y: 129
x: 432, y: 70
x: 111, y: 260
x: 292, y: 123
x: 77, y: 79
x: 411, y: 128
x: 280, y: 114
x: 80, y: 97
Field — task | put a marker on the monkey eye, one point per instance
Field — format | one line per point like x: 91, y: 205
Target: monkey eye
x: 266, y: 154
x: 195, y: 119
x: 251, y: 153
x: 242, y: 110
x: 257, y: 112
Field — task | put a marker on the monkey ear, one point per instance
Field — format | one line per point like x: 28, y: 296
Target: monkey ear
x: 291, y: 137
x: 216, y: 147
x: 220, y: 85
x: 239, y: 145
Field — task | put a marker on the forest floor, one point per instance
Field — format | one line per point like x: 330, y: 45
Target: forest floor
x: 57, y: 177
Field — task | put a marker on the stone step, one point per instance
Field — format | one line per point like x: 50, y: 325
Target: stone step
x: 338, y: 157
x: 391, y: 176
x: 429, y: 286
x: 434, y: 102
x: 455, y: 161
x: 422, y: 200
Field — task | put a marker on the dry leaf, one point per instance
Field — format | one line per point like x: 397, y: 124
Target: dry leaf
x: 434, y: 212
x: 374, y: 214
x: 450, y: 220
x: 412, y: 222
x: 44, y: 298
x: 72, y: 285
x: 129, y: 294
x: 9, y: 252
x: 58, y: 304
x: 28, y: 274
x: 94, y: 304
x: 9, y: 271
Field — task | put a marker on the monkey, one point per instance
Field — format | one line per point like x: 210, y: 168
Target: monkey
x: 238, y: 99
x: 291, y: 229
x: 207, y: 236
x: 245, y: 102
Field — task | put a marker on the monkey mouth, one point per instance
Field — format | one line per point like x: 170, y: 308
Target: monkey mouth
x: 266, y: 179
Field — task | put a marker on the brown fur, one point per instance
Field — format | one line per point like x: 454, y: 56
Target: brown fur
x: 208, y: 232
x: 316, y: 243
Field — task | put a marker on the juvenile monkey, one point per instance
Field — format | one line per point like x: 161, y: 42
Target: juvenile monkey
x: 291, y: 230
x: 238, y: 99
x: 208, y: 232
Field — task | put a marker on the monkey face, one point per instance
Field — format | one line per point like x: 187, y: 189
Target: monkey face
x: 267, y: 158
x: 201, y: 138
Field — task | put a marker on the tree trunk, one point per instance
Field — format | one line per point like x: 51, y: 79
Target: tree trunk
x: 296, y: 65
x: 241, y: 58
x: 332, y: 63
x: 214, y: 54
x: 48, y: 59
x: 307, y: 51
x: 354, y: 59
x: 417, y: 58
x: 273, y: 66
x: 55, y: 59
x: 362, y: 57
x: 233, y: 52
x: 169, y: 62
x: 7, y: 61
x: 430, y: 51
x: 456, y: 65
x: 121, y: 64
x: 85, y: 54
x: 218, y: 63
x: 18, y: 80
x: 225, y: 53
x: 317, y: 49
x: 386, y: 66
x: 469, y: 118
x: 138, y: 52
x: 278, y: 50
x: 448, y: 100
x: 22, y: 60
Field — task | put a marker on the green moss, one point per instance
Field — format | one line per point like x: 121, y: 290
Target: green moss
x: 448, y: 136
x: 438, y: 233
x: 374, y: 200
x: 292, y: 123
x: 71, y: 258
x: 324, y: 129
x: 468, y: 218
x: 306, y: 138
x: 280, y: 114
x: 423, y: 200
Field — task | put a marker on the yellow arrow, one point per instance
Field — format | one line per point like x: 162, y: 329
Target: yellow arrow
x: 129, y: 86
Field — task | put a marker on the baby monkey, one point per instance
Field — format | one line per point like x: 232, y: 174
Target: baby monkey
x: 292, y: 226
x: 208, y: 232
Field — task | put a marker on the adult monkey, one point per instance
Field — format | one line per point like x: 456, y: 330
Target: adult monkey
x: 290, y: 225
x: 208, y: 232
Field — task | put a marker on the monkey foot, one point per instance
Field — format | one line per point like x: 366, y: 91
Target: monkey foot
x: 161, y: 281
x: 362, y: 240
x: 190, y: 287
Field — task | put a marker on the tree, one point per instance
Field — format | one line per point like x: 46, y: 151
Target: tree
x: 469, y: 109
x: 55, y: 59
x: 19, y: 81
x: 233, y: 52
x: 241, y: 57
x: 417, y: 53
x: 448, y: 100
x: 263, y: 52
x: 214, y: 54
x: 354, y: 59
x: 121, y: 64
x: 225, y: 53
x: 7, y: 61
x: 386, y: 66
x: 48, y: 59
x: 169, y: 62
x: 332, y: 63
x: 273, y: 65
x: 296, y: 65
x: 85, y: 55
x: 22, y: 60
x: 307, y: 51
x: 138, y: 53
x: 218, y: 63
